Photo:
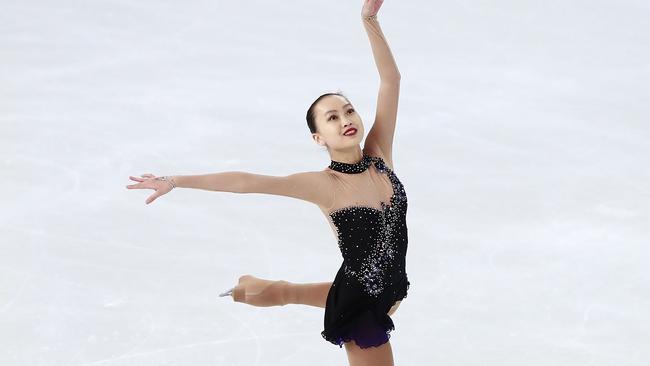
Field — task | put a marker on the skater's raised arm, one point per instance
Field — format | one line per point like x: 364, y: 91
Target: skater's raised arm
x: 315, y: 187
x: 383, y: 129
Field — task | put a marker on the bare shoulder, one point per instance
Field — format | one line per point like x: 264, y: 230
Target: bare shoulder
x: 332, y: 176
x: 316, y: 177
x: 317, y: 186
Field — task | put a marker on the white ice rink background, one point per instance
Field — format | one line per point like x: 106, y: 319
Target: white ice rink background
x: 523, y: 142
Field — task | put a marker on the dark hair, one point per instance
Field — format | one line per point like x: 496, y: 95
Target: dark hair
x: 311, y: 118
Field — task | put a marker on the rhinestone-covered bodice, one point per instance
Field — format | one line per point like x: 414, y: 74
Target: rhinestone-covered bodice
x: 373, y: 241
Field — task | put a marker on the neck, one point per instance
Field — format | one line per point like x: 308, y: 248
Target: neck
x: 350, y: 156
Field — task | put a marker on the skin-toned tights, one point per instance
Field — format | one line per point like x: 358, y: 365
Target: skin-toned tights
x: 262, y: 292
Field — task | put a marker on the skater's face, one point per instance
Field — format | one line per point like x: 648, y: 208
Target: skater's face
x: 334, y: 115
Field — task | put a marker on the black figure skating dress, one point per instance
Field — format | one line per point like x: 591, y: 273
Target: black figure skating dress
x: 372, y: 236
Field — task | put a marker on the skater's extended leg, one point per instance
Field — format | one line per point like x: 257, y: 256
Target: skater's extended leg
x: 256, y: 291
x: 393, y: 309
x: 313, y: 294
x: 261, y: 292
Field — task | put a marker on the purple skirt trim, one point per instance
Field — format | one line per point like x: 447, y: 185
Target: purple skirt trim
x: 367, y: 329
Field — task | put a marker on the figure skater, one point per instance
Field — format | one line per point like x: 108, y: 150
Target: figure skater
x: 364, y: 203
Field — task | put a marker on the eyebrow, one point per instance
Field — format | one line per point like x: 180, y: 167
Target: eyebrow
x: 334, y: 110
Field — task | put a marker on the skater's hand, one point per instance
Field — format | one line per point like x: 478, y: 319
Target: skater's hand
x: 370, y: 7
x: 150, y: 181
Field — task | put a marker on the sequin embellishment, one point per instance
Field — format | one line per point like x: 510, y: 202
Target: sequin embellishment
x: 352, y: 168
x: 373, y: 241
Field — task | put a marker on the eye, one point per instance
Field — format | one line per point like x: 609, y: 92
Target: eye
x: 334, y: 116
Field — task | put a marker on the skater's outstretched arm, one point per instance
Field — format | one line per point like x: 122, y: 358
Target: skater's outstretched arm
x: 312, y: 186
x: 383, y: 129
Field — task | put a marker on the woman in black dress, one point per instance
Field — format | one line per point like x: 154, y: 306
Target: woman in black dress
x: 364, y: 202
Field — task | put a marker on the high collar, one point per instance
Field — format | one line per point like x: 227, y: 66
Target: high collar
x: 352, y: 168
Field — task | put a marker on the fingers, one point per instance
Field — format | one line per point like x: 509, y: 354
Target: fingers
x: 147, y: 182
x: 138, y: 185
x: 137, y: 179
x: 148, y: 175
x: 152, y: 198
x: 159, y: 191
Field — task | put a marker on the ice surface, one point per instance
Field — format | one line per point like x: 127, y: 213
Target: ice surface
x: 523, y: 142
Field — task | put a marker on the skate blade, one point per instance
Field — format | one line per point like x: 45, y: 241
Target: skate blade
x: 227, y: 293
